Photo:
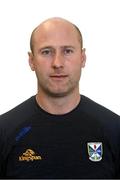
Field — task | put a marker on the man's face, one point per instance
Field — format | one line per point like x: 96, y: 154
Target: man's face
x: 57, y: 58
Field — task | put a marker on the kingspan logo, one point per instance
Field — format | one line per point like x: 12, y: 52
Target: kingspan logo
x: 29, y: 155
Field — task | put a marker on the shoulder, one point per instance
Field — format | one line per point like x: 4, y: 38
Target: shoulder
x: 18, y: 114
x: 106, y: 121
x: 99, y: 112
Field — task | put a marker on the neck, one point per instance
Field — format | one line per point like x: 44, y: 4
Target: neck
x: 59, y: 105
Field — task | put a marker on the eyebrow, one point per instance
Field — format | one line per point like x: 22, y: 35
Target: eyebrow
x: 52, y: 47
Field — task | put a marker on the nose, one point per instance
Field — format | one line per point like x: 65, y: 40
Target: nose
x: 58, y: 61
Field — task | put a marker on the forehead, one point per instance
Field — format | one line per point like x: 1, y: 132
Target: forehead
x: 56, y: 33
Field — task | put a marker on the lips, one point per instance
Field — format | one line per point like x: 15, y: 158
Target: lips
x: 58, y: 76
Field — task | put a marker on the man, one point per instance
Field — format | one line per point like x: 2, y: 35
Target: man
x: 59, y: 133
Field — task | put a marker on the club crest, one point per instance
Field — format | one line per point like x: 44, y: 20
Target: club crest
x: 95, y: 151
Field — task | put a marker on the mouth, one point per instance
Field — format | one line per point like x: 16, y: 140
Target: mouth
x: 59, y: 77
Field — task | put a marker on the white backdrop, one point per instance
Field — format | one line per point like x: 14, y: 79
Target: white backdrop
x: 99, y: 21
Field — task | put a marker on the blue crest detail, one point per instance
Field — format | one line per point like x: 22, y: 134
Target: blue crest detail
x: 95, y: 151
x: 22, y: 132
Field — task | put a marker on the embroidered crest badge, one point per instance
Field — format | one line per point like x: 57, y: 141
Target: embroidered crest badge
x: 95, y: 151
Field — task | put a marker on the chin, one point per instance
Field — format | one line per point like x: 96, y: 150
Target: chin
x: 59, y: 93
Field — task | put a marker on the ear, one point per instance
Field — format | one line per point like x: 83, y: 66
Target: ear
x: 31, y: 61
x: 83, y: 57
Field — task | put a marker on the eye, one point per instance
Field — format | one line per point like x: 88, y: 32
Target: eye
x: 68, y: 51
x: 46, y: 52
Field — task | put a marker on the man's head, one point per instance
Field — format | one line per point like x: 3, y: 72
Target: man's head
x: 57, y: 57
